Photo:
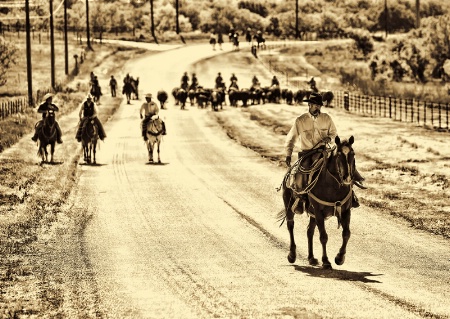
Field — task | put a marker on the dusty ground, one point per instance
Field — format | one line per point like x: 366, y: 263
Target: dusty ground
x: 47, y: 273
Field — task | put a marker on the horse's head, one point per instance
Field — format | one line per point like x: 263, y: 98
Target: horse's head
x: 343, y: 161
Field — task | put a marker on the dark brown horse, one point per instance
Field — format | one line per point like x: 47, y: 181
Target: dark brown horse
x: 329, y: 194
x: 89, y: 138
x: 47, y: 135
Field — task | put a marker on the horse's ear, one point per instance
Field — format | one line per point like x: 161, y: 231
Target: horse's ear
x: 337, y: 140
x: 351, y: 140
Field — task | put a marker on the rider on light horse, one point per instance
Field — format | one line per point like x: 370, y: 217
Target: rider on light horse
x: 46, y: 106
x: 150, y: 108
x: 313, y: 129
x: 88, y: 111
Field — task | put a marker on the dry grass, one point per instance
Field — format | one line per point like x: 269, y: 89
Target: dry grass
x: 37, y: 231
x: 407, y: 178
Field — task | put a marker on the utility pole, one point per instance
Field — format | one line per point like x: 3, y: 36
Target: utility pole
x: 297, y: 34
x: 66, y: 46
x: 29, y: 74
x: 386, y: 14
x: 417, y: 14
x: 52, y: 46
x: 152, y: 30
x: 88, y: 35
x: 177, y: 25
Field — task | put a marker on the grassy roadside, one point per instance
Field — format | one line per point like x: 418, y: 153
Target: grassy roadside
x: 38, y: 228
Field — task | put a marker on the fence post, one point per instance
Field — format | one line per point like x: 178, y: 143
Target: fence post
x: 446, y: 114
x: 390, y: 107
x: 418, y: 112
x: 424, y: 113
x: 439, y: 112
x: 432, y: 114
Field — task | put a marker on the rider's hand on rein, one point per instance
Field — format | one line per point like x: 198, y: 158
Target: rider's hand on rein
x: 288, y: 161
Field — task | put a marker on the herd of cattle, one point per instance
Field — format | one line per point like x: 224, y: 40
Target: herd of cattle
x: 216, y: 97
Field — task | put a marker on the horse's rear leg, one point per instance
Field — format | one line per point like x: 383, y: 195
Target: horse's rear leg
x: 159, y: 159
x: 310, y: 234
x: 345, y: 221
x: 150, y: 152
x: 288, y: 200
x: 323, y: 240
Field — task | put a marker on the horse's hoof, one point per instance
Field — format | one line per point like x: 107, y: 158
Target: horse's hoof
x: 159, y: 162
x: 292, y: 257
x: 339, y: 260
x: 313, y: 261
x: 327, y: 266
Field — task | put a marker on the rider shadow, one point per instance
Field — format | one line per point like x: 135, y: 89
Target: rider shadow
x: 344, y: 275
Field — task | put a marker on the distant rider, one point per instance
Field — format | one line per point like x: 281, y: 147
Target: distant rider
x: 46, y: 106
x: 88, y: 111
x: 219, y: 81
x: 184, y: 81
x: 149, y: 108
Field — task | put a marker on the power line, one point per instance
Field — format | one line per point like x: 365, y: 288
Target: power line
x: 35, y: 17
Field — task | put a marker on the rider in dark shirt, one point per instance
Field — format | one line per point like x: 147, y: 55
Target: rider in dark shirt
x: 46, y: 106
x: 194, y: 82
x: 219, y: 81
x: 88, y: 111
x: 184, y: 81
x: 275, y: 81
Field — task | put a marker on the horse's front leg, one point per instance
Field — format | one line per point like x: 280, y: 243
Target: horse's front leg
x: 310, y: 234
x: 150, y: 151
x: 288, y: 200
x: 345, y: 222
x: 52, y: 151
x: 323, y: 239
x: 94, y: 152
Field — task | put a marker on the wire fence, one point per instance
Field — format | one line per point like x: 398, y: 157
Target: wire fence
x: 422, y: 113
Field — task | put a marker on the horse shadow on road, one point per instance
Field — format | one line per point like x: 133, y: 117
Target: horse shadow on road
x: 156, y: 163
x: 338, y: 274
x: 50, y: 163
x: 92, y: 164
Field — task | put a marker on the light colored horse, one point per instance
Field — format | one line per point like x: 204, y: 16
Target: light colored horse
x: 154, y: 137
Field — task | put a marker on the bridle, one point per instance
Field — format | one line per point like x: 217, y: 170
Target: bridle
x: 50, y: 126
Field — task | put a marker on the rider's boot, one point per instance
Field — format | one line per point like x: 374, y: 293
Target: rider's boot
x: 164, y: 132
x: 58, y: 134
x: 36, y: 128
x: 355, y: 201
x: 144, y: 133
x: 359, y: 179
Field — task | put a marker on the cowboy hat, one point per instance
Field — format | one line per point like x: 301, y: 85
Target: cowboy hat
x: 315, y: 98
x: 148, y: 95
x: 47, y: 96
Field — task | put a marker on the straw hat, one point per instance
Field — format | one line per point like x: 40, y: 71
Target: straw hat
x: 47, y: 96
x: 149, y: 95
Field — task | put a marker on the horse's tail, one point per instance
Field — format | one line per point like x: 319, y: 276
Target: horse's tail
x: 281, y: 216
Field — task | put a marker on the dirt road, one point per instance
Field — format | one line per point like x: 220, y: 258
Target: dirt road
x: 196, y: 237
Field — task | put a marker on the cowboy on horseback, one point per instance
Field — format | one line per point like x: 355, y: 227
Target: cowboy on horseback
x: 314, y: 130
x: 184, y: 81
x: 46, y: 106
x: 275, y: 81
x: 194, y: 82
x: 219, y: 81
x: 149, y: 108
x: 88, y: 111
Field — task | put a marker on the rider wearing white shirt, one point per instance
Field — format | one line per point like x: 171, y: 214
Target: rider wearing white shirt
x: 149, y: 108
